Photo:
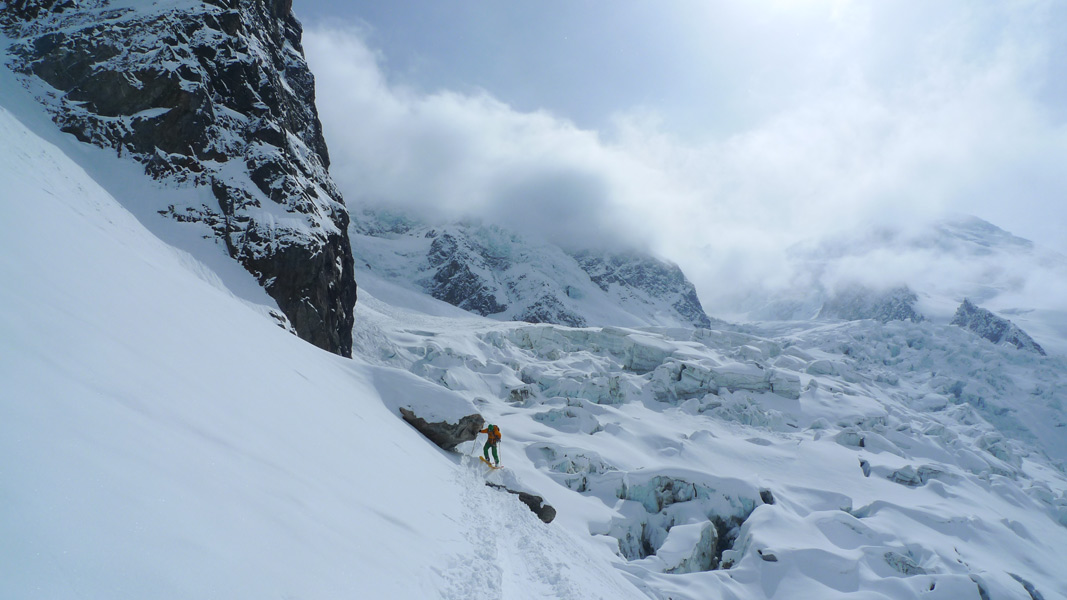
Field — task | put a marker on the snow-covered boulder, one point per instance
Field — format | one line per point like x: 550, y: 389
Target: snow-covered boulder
x: 535, y: 503
x: 445, y: 417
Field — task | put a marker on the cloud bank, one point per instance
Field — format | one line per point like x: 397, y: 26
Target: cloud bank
x: 954, y: 129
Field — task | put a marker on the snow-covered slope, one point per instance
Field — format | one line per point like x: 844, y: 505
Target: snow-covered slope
x: 493, y: 272
x: 159, y: 438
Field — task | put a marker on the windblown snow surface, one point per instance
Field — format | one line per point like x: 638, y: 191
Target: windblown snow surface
x: 161, y: 437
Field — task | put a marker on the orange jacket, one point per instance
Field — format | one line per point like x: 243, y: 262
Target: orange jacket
x: 494, y: 434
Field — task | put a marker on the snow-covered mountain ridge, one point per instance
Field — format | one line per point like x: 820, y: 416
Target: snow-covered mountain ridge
x: 213, y: 96
x: 494, y: 272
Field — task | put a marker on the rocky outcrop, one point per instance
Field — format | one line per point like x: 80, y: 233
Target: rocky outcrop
x: 216, y: 95
x: 443, y: 416
x: 445, y: 434
x: 535, y: 503
x: 993, y: 328
x: 853, y: 304
x: 498, y: 273
x: 462, y: 275
x: 661, y: 281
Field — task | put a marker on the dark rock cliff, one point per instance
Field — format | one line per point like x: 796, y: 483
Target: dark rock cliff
x: 461, y: 272
x: 213, y: 94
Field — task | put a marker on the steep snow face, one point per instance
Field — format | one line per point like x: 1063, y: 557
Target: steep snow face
x: 161, y: 439
x: 493, y: 272
x: 214, y: 95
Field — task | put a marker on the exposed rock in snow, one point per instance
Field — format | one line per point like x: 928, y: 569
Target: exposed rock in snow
x: 767, y: 554
x: 460, y: 276
x: 446, y: 418
x: 493, y: 272
x: 214, y: 95
x: 857, y: 302
x: 993, y: 328
x: 443, y: 433
x: 535, y: 503
x: 620, y: 274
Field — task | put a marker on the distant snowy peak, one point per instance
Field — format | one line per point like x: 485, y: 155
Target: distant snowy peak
x: 857, y: 302
x: 961, y: 235
x: 993, y: 328
x: 493, y: 272
x: 976, y: 233
x: 214, y: 95
x: 926, y: 269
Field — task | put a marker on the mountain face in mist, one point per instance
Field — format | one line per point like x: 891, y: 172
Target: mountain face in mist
x: 213, y: 94
x: 993, y: 328
x: 891, y: 273
x: 493, y: 272
x: 627, y: 273
x: 853, y: 304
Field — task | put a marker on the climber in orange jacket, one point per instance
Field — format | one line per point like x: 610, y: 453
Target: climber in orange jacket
x: 494, y: 438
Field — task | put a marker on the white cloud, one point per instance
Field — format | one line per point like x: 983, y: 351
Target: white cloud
x: 954, y: 132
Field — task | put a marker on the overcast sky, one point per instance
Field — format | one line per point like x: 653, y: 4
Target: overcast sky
x: 714, y: 133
